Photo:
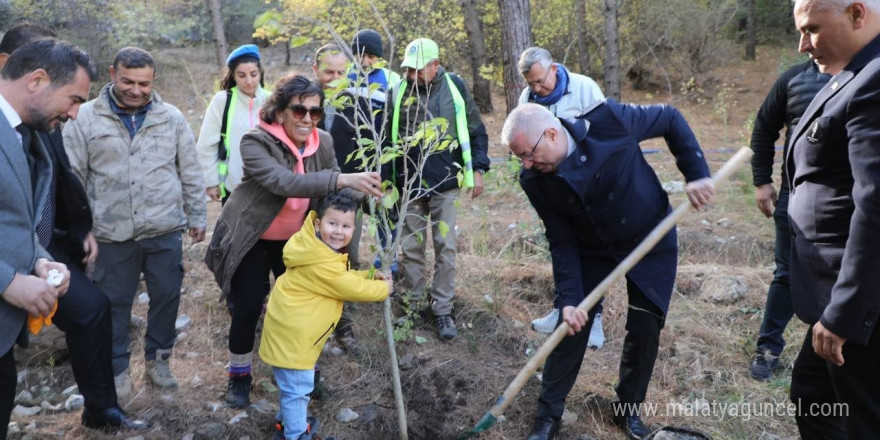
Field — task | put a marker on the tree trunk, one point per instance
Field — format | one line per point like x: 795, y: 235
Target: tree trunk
x: 580, y: 19
x: 220, y: 48
x: 474, y: 29
x: 751, y: 38
x: 612, y: 51
x: 515, y: 38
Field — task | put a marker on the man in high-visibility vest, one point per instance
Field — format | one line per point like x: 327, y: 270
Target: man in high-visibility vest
x: 430, y: 92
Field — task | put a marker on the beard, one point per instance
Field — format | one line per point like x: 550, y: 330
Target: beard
x: 40, y: 119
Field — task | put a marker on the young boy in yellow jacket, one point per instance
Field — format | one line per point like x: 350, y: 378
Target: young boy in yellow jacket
x: 306, y: 303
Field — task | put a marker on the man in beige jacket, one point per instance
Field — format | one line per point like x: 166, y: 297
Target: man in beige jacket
x: 136, y: 156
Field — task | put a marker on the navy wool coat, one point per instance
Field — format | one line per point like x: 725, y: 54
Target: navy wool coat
x: 605, y: 198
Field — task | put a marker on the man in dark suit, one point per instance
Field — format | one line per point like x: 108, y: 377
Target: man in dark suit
x: 833, y: 165
x: 598, y: 199
x: 41, y: 85
x: 64, y: 230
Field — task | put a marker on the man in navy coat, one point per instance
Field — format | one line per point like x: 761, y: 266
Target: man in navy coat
x: 598, y: 198
x: 834, y: 170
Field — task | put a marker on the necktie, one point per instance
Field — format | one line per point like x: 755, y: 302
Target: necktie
x: 46, y: 225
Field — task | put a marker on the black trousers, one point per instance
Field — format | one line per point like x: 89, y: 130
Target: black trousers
x: 644, y: 320
x: 8, y: 382
x: 778, y: 309
x: 84, y: 317
x: 248, y: 290
x: 838, y: 402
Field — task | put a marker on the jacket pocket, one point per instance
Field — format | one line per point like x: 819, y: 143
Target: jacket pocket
x: 326, y: 333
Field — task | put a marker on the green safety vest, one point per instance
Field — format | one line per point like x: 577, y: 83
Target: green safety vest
x: 461, y: 126
x: 226, y: 121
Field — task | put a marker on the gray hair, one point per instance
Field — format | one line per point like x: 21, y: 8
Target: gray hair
x: 528, y: 118
x: 835, y: 5
x: 534, y: 55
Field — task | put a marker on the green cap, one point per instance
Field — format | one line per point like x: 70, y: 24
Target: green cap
x: 419, y: 53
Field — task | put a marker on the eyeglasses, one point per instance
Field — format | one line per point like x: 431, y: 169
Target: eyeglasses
x: 531, y: 153
x: 299, y: 111
x: 540, y: 81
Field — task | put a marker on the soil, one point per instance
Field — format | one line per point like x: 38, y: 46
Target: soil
x: 504, y: 281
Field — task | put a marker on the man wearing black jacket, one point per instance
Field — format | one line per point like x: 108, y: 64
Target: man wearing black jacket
x: 783, y: 107
x: 84, y: 312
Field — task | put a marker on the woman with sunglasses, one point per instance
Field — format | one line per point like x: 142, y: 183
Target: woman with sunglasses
x: 232, y: 112
x: 287, y: 163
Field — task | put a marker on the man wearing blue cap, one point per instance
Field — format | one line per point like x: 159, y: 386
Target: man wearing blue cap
x: 429, y: 92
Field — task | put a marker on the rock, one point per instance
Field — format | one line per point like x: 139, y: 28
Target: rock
x: 673, y: 186
x: 137, y: 322
x: 213, y: 406
x: 530, y: 352
x: 23, y: 374
x: 32, y: 426
x: 48, y: 406
x: 180, y: 336
x: 24, y: 397
x: 196, y: 381
x: 198, y: 294
x: 26, y: 411
x: 368, y: 413
x: 263, y: 406
x: 407, y: 362
x: 13, y: 428
x: 167, y: 398
x: 488, y: 299
x: 346, y: 415
x: 724, y: 222
x: 518, y: 324
x: 73, y: 389
x: 144, y: 298
x: 210, y: 431
x: 188, y: 436
x: 586, y: 437
x: 137, y: 437
x: 74, y: 402
x: 705, y: 222
x: 336, y: 351
x: 238, y: 417
x: 191, y: 355
x: 724, y: 289
x: 182, y: 323
x: 569, y: 418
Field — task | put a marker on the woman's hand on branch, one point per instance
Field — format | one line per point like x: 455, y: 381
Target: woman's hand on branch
x: 367, y: 183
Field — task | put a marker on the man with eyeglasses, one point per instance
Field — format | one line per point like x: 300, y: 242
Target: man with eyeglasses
x: 136, y: 156
x: 566, y: 95
x: 598, y: 199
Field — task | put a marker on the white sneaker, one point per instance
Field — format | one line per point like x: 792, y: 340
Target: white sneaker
x: 546, y: 324
x: 123, y: 384
x: 597, y: 334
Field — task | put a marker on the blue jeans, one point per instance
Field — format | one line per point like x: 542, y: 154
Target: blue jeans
x: 778, y: 310
x: 295, y: 386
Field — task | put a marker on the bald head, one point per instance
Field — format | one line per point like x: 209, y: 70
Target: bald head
x: 536, y: 137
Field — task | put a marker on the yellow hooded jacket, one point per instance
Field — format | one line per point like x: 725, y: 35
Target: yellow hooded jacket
x: 306, y: 302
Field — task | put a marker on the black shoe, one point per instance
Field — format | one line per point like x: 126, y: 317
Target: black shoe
x: 238, y: 391
x: 545, y: 428
x: 113, y: 417
x: 633, y: 426
x: 446, y: 328
x: 764, y: 365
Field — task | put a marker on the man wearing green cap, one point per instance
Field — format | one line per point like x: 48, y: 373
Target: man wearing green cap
x: 430, y: 92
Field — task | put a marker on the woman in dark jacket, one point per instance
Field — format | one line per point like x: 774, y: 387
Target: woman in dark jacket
x: 287, y: 162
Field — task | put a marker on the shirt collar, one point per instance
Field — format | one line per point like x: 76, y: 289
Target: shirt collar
x: 11, y: 115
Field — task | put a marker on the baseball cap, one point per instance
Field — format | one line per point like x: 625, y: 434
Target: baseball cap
x: 419, y: 53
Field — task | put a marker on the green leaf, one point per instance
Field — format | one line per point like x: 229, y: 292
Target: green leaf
x: 268, y: 387
x: 443, y: 227
x: 420, y: 340
x: 299, y: 40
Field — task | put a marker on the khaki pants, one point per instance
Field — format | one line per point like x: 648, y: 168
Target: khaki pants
x: 434, y: 208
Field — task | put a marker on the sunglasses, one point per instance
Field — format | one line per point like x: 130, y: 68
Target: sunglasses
x: 299, y: 111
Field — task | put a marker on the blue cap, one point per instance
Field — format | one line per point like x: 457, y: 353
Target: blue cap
x: 247, y: 50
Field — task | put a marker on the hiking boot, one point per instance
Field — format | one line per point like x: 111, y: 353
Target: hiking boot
x: 597, y: 334
x: 545, y: 428
x: 238, y: 391
x: 123, y: 384
x: 764, y: 365
x: 546, y: 324
x: 446, y: 328
x: 633, y: 426
x: 349, y: 341
x: 159, y: 372
x: 312, y: 425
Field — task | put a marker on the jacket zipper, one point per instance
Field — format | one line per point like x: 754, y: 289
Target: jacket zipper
x: 332, y: 324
